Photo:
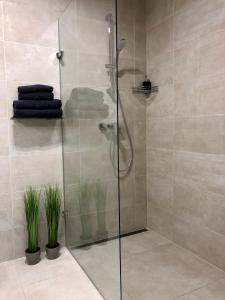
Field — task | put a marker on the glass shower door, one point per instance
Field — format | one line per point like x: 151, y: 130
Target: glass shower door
x: 89, y: 94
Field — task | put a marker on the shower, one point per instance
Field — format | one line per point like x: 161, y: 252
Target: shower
x: 112, y: 71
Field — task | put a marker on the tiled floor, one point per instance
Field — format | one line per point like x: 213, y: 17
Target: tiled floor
x: 153, y: 268
x: 61, y: 279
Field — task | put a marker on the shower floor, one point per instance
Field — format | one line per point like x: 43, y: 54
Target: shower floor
x: 60, y: 279
x: 153, y: 268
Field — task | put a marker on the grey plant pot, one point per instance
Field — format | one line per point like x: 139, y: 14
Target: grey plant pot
x: 33, y: 258
x: 52, y: 253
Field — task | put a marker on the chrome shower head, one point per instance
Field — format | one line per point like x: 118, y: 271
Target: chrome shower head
x: 121, y: 45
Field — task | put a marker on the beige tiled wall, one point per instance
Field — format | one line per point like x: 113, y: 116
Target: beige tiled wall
x: 30, y: 151
x: 185, y: 124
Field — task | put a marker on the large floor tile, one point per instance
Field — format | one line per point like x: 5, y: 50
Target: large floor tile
x: 165, y: 273
x: 214, y: 291
x: 141, y: 242
x: 73, y: 286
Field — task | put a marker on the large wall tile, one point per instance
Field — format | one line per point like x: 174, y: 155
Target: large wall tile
x: 158, y: 11
x: 160, y: 192
x: 6, y: 251
x: 162, y: 103
x: 43, y: 23
x: 2, y: 61
x: 160, y: 39
x: 35, y: 135
x: 94, y: 9
x: 186, y: 99
x: 208, y: 244
x: 161, y: 69
x: 3, y: 100
x: 23, y: 63
x: 161, y: 221
x: 197, y: 134
x: 160, y: 132
x: 189, y: 200
x: 1, y: 20
x: 210, y: 95
x: 160, y: 162
x: 4, y: 138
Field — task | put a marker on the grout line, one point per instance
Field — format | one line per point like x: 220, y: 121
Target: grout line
x: 201, y: 287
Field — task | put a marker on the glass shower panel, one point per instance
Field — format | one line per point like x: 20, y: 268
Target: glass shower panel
x: 131, y: 44
x: 88, y: 90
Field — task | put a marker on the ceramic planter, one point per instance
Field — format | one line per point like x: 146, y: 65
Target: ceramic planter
x: 33, y: 258
x: 52, y: 253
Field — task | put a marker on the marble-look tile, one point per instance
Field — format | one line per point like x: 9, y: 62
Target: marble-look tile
x: 197, y: 134
x: 5, y: 212
x: 3, y: 100
x: 23, y: 63
x: 171, y: 271
x: 92, y: 71
x: 62, y: 287
x: 4, y: 175
x: 161, y: 220
x: 186, y: 99
x: 207, y: 169
x: 125, y: 13
x: 35, y: 135
x: 160, y: 39
x: 208, y: 90
x: 140, y: 216
x: 107, y: 277
x: 190, y: 202
x: 200, y: 240
x: 55, y: 5
x: 140, y: 189
x: 213, y: 291
x: 96, y: 9
x: 162, y: 103
x: 161, y: 69
x: 214, y: 212
x: 92, y: 36
x: 1, y: 21
x: 91, y: 137
x: 189, y: 25
x: 211, y: 60
x: 160, y: 162
x: 161, y: 192
x: 6, y: 251
x: 43, y: 22
x: 140, y: 15
x: 4, y: 138
x: 94, y: 164
x: 72, y: 167
x: 158, y: 11
x: 141, y: 242
x: 185, y: 63
x: 160, y: 132
x: 2, y: 61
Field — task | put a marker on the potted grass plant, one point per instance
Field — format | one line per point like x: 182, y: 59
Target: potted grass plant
x: 31, y: 202
x: 52, y: 209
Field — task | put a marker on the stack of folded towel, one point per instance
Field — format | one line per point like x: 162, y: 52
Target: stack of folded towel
x: 37, y: 101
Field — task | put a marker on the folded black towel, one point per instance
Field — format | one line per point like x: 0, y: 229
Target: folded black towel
x: 34, y: 104
x: 36, y: 96
x: 35, y: 88
x: 38, y: 113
